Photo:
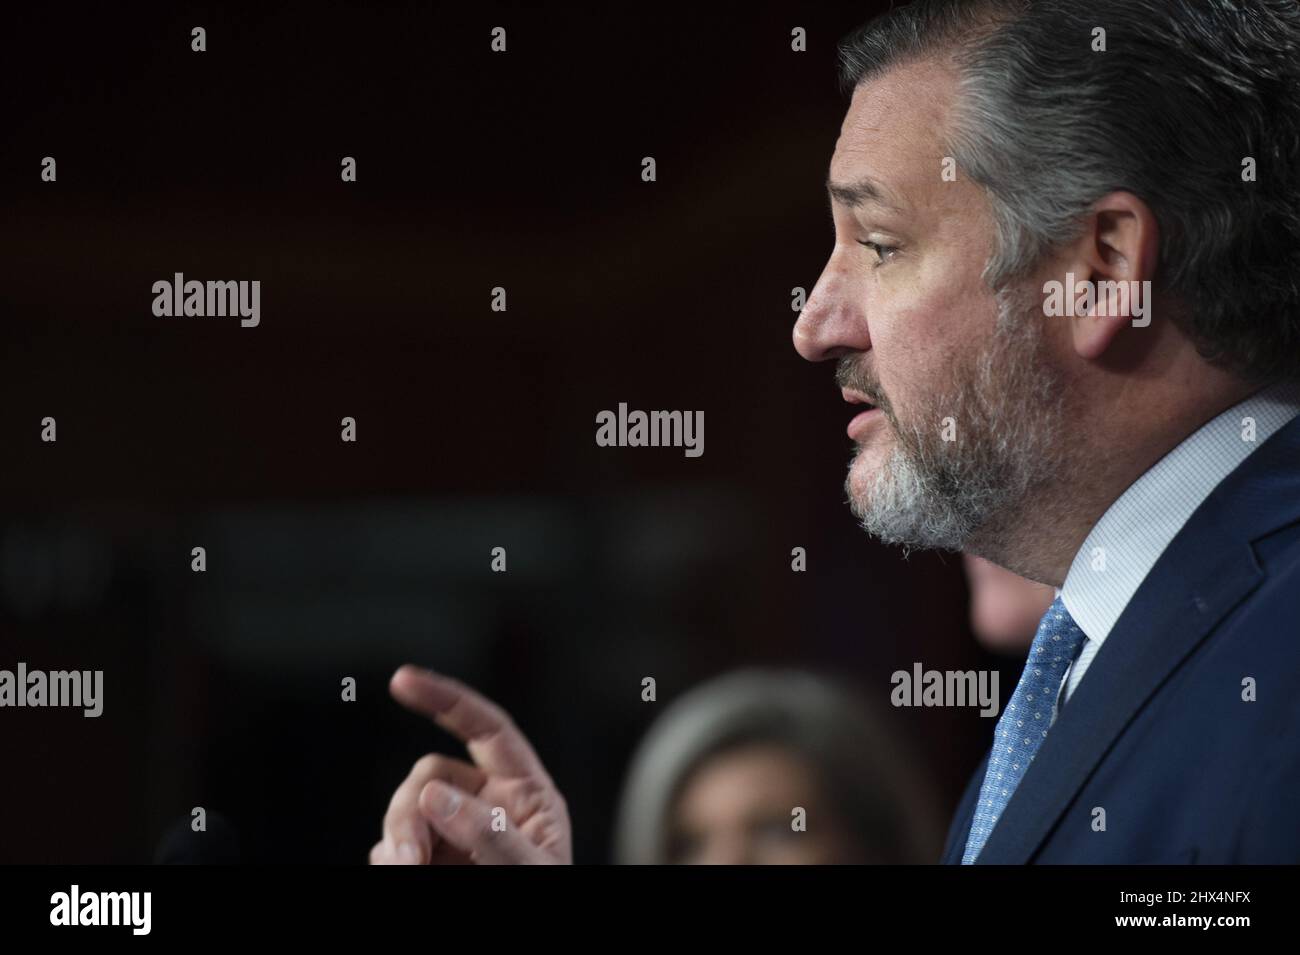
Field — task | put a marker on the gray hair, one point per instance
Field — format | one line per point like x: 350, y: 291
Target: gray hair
x: 865, y: 775
x: 1186, y: 92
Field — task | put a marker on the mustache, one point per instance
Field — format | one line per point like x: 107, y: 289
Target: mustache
x: 849, y: 374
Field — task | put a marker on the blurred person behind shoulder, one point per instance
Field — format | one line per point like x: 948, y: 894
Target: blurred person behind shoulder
x: 1005, y: 608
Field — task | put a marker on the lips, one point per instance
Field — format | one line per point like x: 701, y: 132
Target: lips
x: 856, y: 397
x: 865, y: 417
x: 862, y: 423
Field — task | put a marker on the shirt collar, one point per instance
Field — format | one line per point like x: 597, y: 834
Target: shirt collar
x: 1125, y: 544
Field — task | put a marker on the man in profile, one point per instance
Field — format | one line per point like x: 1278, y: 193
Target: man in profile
x: 1137, y: 450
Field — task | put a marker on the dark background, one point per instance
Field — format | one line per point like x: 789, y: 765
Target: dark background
x: 475, y: 428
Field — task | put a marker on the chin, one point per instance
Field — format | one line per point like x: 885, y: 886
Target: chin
x: 863, y: 473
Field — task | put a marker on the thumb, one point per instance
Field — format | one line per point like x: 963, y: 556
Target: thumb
x: 474, y: 827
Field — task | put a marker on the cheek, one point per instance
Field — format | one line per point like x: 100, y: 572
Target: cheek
x: 911, y: 352
x: 921, y: 329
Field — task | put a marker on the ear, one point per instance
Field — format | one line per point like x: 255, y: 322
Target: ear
x: 1118, y: 248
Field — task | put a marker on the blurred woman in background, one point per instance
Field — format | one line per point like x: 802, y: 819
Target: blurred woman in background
x: 723, y: 775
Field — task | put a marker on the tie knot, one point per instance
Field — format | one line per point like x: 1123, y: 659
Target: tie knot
x: 1058, y: 640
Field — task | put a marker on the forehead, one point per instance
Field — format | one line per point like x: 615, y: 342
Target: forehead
x: 782, y: 773
x: 893, y: 130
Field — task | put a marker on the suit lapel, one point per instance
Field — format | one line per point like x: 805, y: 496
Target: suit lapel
x: 961, y: 819
x: 1206, y: 571
x: 1162, y: 625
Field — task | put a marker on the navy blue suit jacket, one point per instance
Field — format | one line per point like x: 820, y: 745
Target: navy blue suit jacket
x: 1157, y: 734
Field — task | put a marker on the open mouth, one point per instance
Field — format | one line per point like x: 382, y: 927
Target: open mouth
x: 867, y: 413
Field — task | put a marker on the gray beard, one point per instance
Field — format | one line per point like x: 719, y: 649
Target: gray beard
x: 972, y: 493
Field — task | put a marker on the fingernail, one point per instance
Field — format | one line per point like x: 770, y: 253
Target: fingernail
x: 444, y: 800
x: 408, y: 854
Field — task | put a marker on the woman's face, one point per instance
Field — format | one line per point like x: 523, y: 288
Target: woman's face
x: 738, y: 808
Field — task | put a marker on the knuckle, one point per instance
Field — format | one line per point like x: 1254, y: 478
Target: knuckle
x: 523, y: 797
x: 534, y: 802
x: 427, y: 765
x: 529, y: 787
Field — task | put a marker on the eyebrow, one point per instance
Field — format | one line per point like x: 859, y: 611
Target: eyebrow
x: 860, y: 192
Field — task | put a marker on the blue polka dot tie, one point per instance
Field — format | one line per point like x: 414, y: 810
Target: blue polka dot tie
x: 1024, y: 723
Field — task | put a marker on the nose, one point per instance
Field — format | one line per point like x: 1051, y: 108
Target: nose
x: 832, y: 323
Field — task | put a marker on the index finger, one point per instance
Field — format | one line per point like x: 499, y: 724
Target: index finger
x: 495, y: 743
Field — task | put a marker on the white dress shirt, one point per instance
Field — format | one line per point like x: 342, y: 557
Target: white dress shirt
x: 1135, y: 530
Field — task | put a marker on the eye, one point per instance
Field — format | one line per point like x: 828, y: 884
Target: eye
x: 883, y: 252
